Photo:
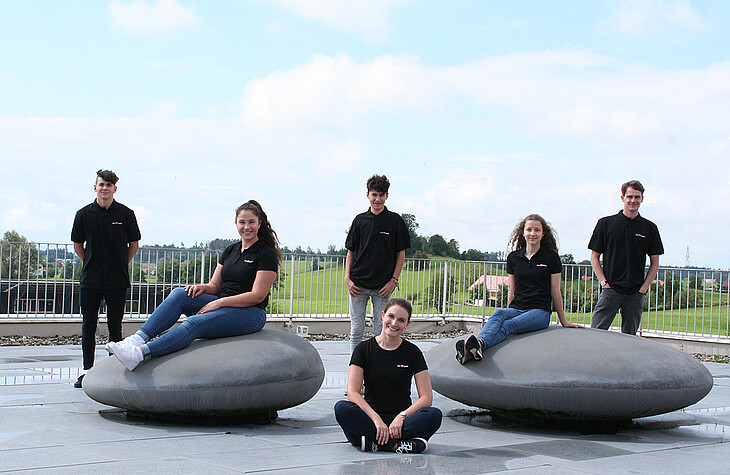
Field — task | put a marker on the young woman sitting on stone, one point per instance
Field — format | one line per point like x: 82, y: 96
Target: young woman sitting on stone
x: 232, y: 303
x: 534, y: 269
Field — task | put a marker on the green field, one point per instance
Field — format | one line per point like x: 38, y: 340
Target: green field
x: 313, y: 286
x: 323, y: 292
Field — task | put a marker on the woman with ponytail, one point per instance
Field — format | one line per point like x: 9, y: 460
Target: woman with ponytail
x: 232, y: 303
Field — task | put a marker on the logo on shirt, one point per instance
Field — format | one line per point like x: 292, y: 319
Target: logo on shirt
x: 541, y: 265
x: 117, y: 222
x: 385, y: 232
x: 401, y: 366
x: 640, y: 235
x: 248, y: 261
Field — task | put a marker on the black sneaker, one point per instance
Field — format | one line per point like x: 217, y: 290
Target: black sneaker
x: 367, y: 445
x: 474, y: 348
x: 411, y: 446
x: 462, y: 356
x: 77, y: 384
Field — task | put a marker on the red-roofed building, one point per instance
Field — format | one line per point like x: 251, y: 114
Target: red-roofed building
x: 492, y: 282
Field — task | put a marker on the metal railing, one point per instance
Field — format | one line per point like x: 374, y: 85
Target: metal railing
x: 40, y: 280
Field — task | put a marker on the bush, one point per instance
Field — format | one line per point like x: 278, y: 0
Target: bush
x: 478, y: 293
x: 420, y: 261
x: 435, y: 290
x: 503, y: 296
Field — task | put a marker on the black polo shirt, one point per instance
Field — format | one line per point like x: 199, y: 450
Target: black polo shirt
x: 533, y: 278
x: 107, y: 234
x: 240, y: 268
x: 625, y: 243
x: 387, y: 374
x: 375, y: 240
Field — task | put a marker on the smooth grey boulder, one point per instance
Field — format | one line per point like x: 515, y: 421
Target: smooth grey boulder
x: 572, y: 374
x: 249, y: 374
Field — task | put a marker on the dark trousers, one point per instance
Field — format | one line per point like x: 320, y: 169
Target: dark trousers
x: 90, y: 302
x: 609, y: 302
x: 355, y: 423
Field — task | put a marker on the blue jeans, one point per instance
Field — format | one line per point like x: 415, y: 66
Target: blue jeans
x: 355, y: 423
x: 357, y: 315
x: 225, y: 321
x: 510, y: 321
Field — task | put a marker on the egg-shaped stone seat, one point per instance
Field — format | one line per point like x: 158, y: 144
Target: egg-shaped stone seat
x: 249, y: 374
x: 572, y: 374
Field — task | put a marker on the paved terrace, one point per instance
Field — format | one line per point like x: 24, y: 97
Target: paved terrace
x: 47, y: 426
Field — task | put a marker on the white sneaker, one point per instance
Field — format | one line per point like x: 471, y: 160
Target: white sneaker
x: 134, y: 339
x: 130, y: 356
x: 131, y: 341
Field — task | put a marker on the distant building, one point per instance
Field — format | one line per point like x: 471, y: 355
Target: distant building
x: 492, y: 282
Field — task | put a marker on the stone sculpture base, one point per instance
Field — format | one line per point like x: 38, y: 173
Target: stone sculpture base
x: 254, y: 374
x: 572, y: 374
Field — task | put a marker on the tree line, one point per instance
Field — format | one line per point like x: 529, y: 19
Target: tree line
x: 422, y: 247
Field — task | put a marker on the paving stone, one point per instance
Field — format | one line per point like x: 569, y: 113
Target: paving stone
x: 47, y: 425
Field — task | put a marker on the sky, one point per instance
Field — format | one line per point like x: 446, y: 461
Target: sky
x: 479, y: 112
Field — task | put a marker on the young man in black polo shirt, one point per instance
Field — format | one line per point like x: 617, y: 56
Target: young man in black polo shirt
x: 106, y: 237
x: 624, y: 239
x: 376, y: 249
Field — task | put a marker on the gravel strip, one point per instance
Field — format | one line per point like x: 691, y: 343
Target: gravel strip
x: 712, y: 358
x: 20, y: 340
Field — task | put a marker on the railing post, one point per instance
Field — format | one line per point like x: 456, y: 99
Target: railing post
x: 202, y: 267
x: 291, y: 291
x: 443, y: 305
x: 485, y: 291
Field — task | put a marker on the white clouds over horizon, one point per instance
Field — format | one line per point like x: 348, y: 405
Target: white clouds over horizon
x: 478, y: 112
x: 335, y: 92
x: 321, y: 116
x: 571, y: 93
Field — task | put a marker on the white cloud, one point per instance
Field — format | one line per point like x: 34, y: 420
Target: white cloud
x: 578, y: 94
x: 607, y: 122
x: 642, y: 106
x: 369, y: 19
x: 162, y: 15
x: 460, y: 188
x: 652, y: 16
x: 27, y: 214
x: 342, y: 158
x: 523, y: 78
x: 474, y: 159
x: 335, y: 91
x: 720, y: 147
x: 164, y: 110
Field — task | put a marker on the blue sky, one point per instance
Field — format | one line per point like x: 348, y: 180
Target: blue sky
x: 479, y: 112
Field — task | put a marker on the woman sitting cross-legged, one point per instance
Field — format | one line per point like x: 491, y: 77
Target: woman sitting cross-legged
x: 534, y: 283
x: 386, y: 418
x: 232, y: 303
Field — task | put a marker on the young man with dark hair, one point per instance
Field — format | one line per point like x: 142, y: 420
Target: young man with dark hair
x: 106, y: 237
x: 376, y: 249
x: 624, y: 239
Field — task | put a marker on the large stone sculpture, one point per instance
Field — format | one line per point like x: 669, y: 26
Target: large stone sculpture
x: 244, y: 375
x: 573, y: 374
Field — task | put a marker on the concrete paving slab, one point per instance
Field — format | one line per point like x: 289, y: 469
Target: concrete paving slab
x: 48, y: 426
